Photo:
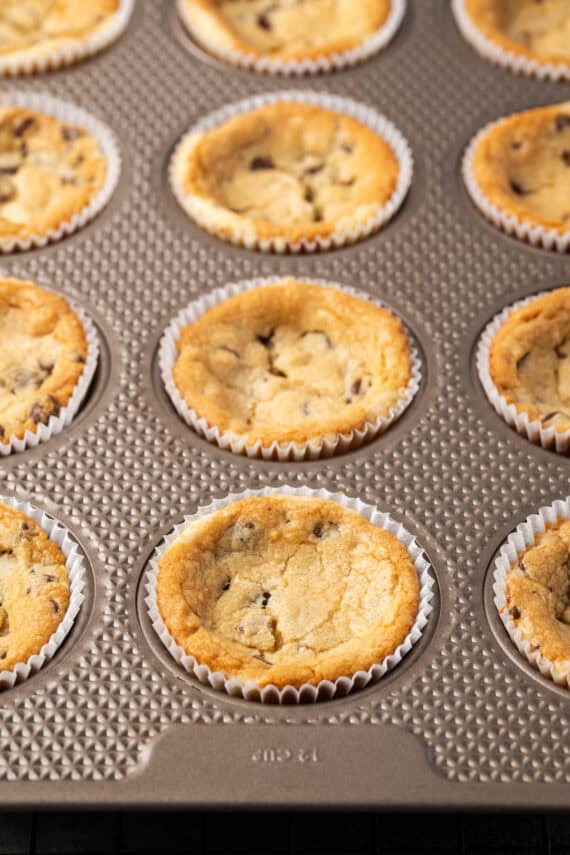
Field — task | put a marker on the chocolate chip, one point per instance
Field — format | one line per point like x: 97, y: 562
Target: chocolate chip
x: 562, y: 121
x: 249, y: 525
x: 516, y: 613
x: 516, y: 144
x: 263, y: 22
x: 20, y: 129
x: 266, y: 340
x: 262, y: 599
x: 49, y: 578
x: 356, y: 387
x: 517, y: 188
x: 559, y: 352
x: 79, y: 358
x: 309, y: 195
x: 226, y: 585
x: 46, y: 366
x: 276, y: 371
x: 566, y: 157
x: 40, y: 411
x: 521, y: 564
x: 71, y: 134
x: 3, y: 654
x: 318, y: 530
x: 55, y: 606
x: 318, y: 216
x: 259, y: 163
x: 8, y: 170
x: 550, y: 416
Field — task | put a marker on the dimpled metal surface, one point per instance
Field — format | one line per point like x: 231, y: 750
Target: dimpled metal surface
x: 128, y: 468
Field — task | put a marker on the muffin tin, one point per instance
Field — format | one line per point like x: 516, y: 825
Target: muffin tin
x: 463, y: 721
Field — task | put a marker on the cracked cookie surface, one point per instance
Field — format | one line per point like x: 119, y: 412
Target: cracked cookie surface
x: 34, y: 587
x: 537, y: 595
x: 286, y: 170
x: 34, y: 28
x: 535, y: 29
x: 43, y: 348
x: 292, y: 361
x: 522, y: 165
x: 529, y: 359
x: 283, y: 29
x: 287, y: 590
x: 49, y: 171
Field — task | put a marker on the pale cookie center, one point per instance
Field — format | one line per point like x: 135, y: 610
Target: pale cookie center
x: 271, y: 25
x: 33, y: 170
x: 538, y: 170
x: 284, y: 600
x: 286, y: 375
x: 544, y: 377
x: 269, y: 182
x: 541, y: 26
x: 24, y: 23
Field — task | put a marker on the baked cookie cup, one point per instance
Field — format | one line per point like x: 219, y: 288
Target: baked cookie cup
x: 292, y: 172
x: 517, y: 172
x: 38, y: 35
x: 523, y: 362
x: 48, y: 356
x: 532, y: 593
x: 291, y: 38
x: 42, y: 580
x: 287, y: 369
x: 251, y: 594
x: 525, y: 36
x: 59, y: 167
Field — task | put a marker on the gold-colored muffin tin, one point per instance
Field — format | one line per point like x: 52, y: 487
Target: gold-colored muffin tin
x: 463, y: 720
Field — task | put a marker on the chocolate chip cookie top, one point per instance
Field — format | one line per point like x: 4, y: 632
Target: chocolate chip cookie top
x: 285, y: 170
x: 36, y: 28
x: 287, y: 590
x: 43, y: 348
x: 34, y: 587
x: 534, y: 29
x: 283, y: 29
x: 292, y: 361
x: 49, y: 171
x: 537, y: 595
x: 529, y: 360
x: 522, y: 165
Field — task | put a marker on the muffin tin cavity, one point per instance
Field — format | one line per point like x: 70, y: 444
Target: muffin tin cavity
x: 424, y: 379
x: 102, y: 388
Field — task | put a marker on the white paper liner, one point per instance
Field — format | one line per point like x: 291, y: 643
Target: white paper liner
x: 243, y: 233
x: 69, y: 114
x: 534, y: 234
x: 307, y: 693
x: 57, y: 57
x: 548, y: 437
x: 300, y: 67
x: 493, y: 52
x: 74, y: 566
x: 522, y: 538
x: 311, y: 450
x: 56, y: 423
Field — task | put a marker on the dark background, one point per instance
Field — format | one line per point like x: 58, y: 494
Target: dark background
x: 186, y: 833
